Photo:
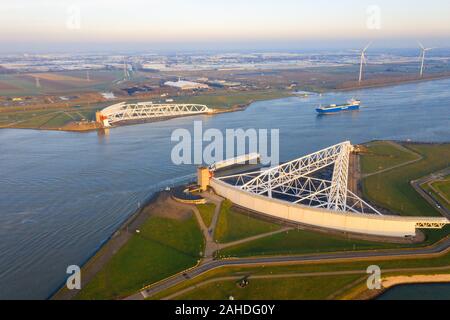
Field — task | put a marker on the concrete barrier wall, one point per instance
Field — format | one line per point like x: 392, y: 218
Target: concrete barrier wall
x: 391, y: 226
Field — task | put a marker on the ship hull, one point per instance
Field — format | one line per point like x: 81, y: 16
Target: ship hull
x: 337, y: 109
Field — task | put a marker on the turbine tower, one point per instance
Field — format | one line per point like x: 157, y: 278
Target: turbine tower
x: 125, y: 69
x: 422, y: 55
x: 363, y: 61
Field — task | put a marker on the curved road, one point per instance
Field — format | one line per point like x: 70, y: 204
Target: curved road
x: 439, y: 248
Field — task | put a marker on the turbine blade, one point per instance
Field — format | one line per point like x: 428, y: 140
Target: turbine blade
x: 367, y: 47
x: 421, y: 45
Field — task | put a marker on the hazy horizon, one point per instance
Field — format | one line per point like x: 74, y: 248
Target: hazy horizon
x: 62, y: 25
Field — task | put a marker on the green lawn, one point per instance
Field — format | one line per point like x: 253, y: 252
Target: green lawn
x: 293, y: 288
x: 436, y: 195
x: 162, y: 248
x: 306, y: 268
x: 233, y: 225
x: 383, y: 155
x: 46, y: 119
x: 207, y: 212
x: 300, y: 242
x: 228, y: 100
x: 393, y: 190
x: 443, y: 187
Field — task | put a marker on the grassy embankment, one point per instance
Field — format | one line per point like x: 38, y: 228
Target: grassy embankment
x: 314, y: 285
x: 440, y: 190
x: 232, y: 99
x: 233, y: 225
x: 262, y: 289
x: 207, y: 212
x: 392, y: 189
x: 55, y: 118
x: 163, y: 247
x: 443, y: 187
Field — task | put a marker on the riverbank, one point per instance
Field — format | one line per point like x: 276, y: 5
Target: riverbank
x: 112, y: 245
x: 73, y: 119
x: 390, y: 282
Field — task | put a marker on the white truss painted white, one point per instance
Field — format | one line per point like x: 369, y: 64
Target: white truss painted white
x: 147, y: 110
x: 296, y: 191
x: 293, y: 180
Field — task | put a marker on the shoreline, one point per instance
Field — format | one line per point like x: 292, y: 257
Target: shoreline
x: 392, y: 282
x: 243, y: 107
x: 107, y: 248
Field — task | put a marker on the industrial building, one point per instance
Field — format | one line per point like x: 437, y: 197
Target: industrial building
x: 186, y: 85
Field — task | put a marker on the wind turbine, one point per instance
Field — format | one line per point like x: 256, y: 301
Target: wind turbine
x: 424, y: 50
x: 125, y: 69
x: 363, y: 61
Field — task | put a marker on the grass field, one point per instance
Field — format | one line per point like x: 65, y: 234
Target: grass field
x: 320, y: 282
x: 228, y: 100
x: 440, y: 191
x: 383, y: 155
x: 443, y: 187
x: 162, y: 248
x: 46, y: 119
x: 301, y: 242
x: 207, y: 212
x: 290, y: 288
x: 233, y: 225
x: 57, y: 82
x: 392, y: 189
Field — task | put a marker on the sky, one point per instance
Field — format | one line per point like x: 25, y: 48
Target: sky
x: 39, y: 24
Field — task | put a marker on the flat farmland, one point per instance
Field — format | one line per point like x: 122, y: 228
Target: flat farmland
x: 57, y: 82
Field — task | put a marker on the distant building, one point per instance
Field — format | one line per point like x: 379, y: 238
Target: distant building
x: 224, y: 83
x: 154, y: 66
x: 186, y: 85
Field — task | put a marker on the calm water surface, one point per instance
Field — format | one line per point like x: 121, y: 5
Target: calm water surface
x: 428, y: 291
x: 63, y: 194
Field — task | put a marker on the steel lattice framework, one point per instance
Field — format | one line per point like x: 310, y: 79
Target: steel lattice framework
x: 298, y: 182
x: 147, y: 110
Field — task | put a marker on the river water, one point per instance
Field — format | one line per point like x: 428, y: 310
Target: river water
x: 63, y: 194
x: 423, y: 291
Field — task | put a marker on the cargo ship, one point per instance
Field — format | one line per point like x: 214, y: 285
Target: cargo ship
x: 351, y: 105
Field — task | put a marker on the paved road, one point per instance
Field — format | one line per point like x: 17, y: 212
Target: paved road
x: 441, y: 247
x: 429, y: 197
